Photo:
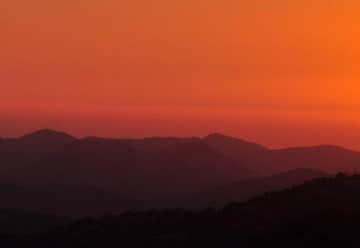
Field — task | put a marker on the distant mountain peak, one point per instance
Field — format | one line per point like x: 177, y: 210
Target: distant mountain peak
x: 222, y: 137
x: 301, y: 172
x: 48, y: 135
x: 218, y: 137
x: 333, y: 147
x: 318, y: 148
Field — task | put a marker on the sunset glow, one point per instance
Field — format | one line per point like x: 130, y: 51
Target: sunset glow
x: 278, y: 72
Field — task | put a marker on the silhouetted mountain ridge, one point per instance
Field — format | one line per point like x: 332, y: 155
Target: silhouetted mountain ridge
x: 323, y: 212
x: 246, y: 189
x: 161, y: 171
x: 221, y: 138
x: 234, y: 148
x: 46, y: 135
x: 328, y: 158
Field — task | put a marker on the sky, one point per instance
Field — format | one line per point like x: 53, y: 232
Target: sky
x: 278, y: 72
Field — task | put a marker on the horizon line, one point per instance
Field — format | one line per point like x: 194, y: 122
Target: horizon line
x: 177, y: 137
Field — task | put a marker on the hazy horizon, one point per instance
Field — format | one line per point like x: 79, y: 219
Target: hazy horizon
x: 171, y: 136
x: 281, y: 73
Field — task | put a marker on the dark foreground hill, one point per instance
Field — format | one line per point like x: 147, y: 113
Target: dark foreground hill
x: 78, y: 202
x: 247, y: 189
x: 63, y: 201
x: 323, y: 212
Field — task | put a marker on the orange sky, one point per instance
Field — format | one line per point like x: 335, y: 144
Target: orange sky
x: 278, y: 72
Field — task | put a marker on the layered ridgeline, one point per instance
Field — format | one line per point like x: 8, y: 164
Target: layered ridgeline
x: 323, y: 212
x: 57, y: 169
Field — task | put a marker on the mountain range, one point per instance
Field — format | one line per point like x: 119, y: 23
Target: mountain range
x: 153, y: 172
